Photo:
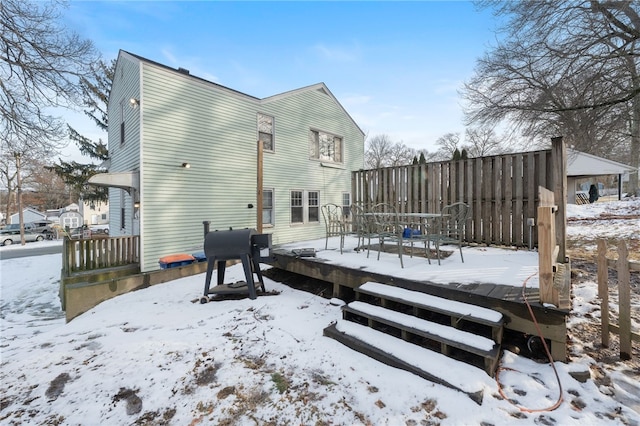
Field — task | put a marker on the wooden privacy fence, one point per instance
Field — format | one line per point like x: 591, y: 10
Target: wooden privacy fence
x: 502, y: 191
x: 623, y: 267
x: 97, y: 253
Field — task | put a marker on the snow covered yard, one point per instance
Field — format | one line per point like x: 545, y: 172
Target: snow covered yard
x: 156, y: 357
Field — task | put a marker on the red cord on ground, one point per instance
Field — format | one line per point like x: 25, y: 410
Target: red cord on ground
x: 547, y: 351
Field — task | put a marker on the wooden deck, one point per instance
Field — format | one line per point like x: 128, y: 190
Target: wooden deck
x: 505, y: 299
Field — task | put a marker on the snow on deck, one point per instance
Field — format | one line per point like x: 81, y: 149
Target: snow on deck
x: 464, y: 309
x: 446, y: 332
x: 458, y: 374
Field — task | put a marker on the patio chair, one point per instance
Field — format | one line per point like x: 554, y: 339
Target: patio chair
x: 387, y: 228
x: 449, y: 227
x: 334, y: 222
x: 360, y: 226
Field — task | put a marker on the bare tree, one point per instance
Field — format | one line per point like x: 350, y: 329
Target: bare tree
x: 381, y: 151
x: 483, y: 141
x: 41, y: 63
x: 43, y: 189
x: 400, y: 155
x: 447, y: 145
x: 564, y: 68
x: 378, y: 150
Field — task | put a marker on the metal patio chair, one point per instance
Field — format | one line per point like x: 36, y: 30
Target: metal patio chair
x: 361, y: 226
x: 334, y: 222
x: 387, y: 228
x: 449, y: 227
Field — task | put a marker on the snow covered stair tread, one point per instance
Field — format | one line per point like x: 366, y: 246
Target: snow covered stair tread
x: 415, y: 298
x: 449, y: 335
x: 392, y: 351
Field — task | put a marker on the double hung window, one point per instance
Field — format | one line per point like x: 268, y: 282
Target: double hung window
x: 305, y: 206
x: 325, y: 147
x: 265, y: 132
x: 267, y: 207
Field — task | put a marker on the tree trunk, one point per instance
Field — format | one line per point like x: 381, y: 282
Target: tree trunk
x: 635, y: 145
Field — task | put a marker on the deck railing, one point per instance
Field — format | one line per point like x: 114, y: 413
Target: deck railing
x: 99, y: 253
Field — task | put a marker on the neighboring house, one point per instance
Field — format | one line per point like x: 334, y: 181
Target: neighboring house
x: 28, y: 215
x: 95, y: 213
x: 183, y: 150
x: 582, y: 166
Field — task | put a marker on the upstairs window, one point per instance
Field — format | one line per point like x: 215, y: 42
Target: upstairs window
x: 325, y: 147
x: 121, y: 122
x: 265, y: 131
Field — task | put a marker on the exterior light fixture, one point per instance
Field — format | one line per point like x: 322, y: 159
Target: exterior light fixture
x: 136, y: 204
x: 134, y: 103
x: 186, y: 165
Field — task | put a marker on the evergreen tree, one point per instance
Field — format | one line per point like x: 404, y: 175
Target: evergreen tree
x: 456, y: 154
x: 96, y: 97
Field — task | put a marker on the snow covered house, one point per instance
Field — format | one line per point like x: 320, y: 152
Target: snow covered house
x: 184, y: 150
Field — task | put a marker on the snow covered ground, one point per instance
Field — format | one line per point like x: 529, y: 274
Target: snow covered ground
x: 155, y: 357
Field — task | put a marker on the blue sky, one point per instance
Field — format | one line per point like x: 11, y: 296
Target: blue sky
x: 395, y: 66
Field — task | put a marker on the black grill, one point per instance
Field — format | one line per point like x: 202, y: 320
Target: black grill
x: 245, y: 245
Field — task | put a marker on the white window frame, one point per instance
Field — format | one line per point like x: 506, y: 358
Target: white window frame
x: 346, y: 203
x: 270, y: 208
x: 326, y: 147
x: 122, y: 125
x: 307, y: 197
x: 266, y: 128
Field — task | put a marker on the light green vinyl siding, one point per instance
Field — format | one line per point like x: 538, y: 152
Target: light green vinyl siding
x: 123, y: 157
x: 182, y: 119
x: 290, y: 168
x: 187, y: 121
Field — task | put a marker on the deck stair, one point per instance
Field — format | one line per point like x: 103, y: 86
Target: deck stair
x: 451, y: 332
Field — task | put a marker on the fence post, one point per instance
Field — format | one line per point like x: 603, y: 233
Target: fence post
x: 624, y: 301
x: 603, y: 291
x: 559, y: 170
x: 546, y: 249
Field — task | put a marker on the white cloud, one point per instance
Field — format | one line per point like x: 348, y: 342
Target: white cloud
x: 338, y: 54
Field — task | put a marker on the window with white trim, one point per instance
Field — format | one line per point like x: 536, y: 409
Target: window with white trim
x: 265, y: 131
x: 267, y: 207
x: 305, y: 206
x: 346, y: 204
x: 122, y: 122
x: 325, y: 146
x: 313, y: 202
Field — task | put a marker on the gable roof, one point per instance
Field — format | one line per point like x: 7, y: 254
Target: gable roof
x: 320, y: 87
x: 580, y: 164
x: 185, y: 73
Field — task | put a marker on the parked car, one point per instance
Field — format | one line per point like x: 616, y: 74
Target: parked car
x: 12, y: 236
x: 43, y: 226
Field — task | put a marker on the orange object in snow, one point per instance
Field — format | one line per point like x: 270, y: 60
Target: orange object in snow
x: 175, y: 260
